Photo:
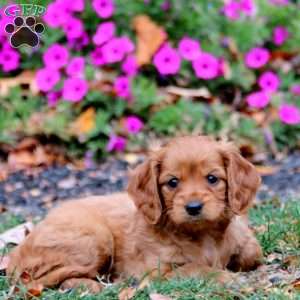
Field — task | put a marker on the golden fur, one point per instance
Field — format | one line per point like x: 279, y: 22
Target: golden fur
x: 148, y: 230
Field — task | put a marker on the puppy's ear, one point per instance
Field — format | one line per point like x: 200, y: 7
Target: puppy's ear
x: 242, y: 178
x: 143, y: 188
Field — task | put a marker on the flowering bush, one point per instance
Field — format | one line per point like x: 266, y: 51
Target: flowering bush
x: 245, y: 53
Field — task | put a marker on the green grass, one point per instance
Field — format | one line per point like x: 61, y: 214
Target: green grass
x: 278, y: 230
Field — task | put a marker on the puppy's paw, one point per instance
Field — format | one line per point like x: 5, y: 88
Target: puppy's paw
x: 90, y: 285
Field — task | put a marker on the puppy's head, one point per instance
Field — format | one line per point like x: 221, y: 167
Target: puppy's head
x: 193, y: 181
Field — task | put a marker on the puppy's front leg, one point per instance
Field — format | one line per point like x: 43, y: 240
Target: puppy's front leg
x: 196, y: 270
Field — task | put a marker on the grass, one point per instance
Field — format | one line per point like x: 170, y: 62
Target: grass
x: 278, y: 229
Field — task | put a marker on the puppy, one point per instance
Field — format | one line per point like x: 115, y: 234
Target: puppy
x: 184, y: 214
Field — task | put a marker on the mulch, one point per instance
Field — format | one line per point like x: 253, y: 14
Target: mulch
x: 31, y: 194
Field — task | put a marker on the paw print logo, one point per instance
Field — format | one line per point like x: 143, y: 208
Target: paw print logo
x: 24, y: 32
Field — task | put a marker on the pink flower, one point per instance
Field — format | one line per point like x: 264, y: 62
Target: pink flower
x: 167, y: 60
x: 73, y: 28
x: 56, y: 56
x: 126, y: 44
x: 231, y: 10
x: 280, y: 35
x: 80, y: 42
x: 133, y: 124
x: 295, y: 89
x: 56, y: 14
x: 97, y: 58
x: 46, y: 79
x: 257, y: 57
x: 105, y: 32
x: 53, y: 98
x: 104, y: 8
x: 75, y: 67
x: 9, y: 59
x: 269, y: 81
x: 73, y: 5
x: 122, y: 87
x: 189, y: 48
x: 248, y: 7
x: 130, y: 66
x: 74, y: 89
x: 279, y: 2
x: 258, y: 99
x: 206, y: 66
x: 289, y: 114
x: 113, y: 51
x: 116, y: 143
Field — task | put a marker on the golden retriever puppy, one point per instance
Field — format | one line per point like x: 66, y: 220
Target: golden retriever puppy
x: 184, y: 214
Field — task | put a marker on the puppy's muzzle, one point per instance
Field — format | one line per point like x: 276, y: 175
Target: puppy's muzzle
x: 194, y: 207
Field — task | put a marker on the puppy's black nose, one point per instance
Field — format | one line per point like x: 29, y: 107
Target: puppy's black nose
x: 193, y: 208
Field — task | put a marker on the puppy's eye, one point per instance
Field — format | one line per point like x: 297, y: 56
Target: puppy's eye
x: 173, y: 182
x: 212, y: 179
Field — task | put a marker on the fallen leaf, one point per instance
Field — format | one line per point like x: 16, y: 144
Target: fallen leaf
x: 202, y: 92
x: 127, y: 293
x: 36, y: 290
x: 159, y: 297
x: 150, y: 37
x: 85, y: 122
x: 296, y: 284
x: 292, y: 261
x: 267, y: 170
x: 15, y: 235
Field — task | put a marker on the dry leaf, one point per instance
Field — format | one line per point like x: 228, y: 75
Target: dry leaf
x: 85, y: 122
x: 296, y: 284
x: 127, y: 293
x: 159, y: 297
x: 34, y: 290
x: 202, y: 92
x: 15, y: 235
x: 150, y: 37
x: 267, y: 170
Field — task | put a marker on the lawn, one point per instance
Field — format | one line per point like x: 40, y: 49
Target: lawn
x: 278, y: 229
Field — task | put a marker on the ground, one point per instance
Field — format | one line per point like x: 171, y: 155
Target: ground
x: 275, y: 219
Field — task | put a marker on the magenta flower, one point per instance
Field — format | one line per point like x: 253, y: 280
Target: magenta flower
x: 166, y: 5
x: 280, y: 35
x: 231, y: 10
x: 133, y: 124
x: 295, y: 89
x: 73, y: 28
x: 289, y: 114
x: 126, y: 44
x: 53, y: 98
x: 113, y: 51
x: 46, y: 79
x: 206, y: 66
x: 257, y: 57
x: 104, y: 32
x: 74, y: 89
x: 97, y: 58
x: 248, y: 7
x: 122, y: 87
x: 80, y: 42
x: 73, y: 5
x: 269, y: 81
x: 189, y: 48
x: 9, y: 59
x: 167, y: 60
x: 75, y: 67
x: 56, y: 14
x: 104, y: 8
x: 258, y: 99
x: 56, y: 56
x: 116, y: 143
x: 130, y: 66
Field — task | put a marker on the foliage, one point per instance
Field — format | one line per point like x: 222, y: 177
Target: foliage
x: 226, y: 32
